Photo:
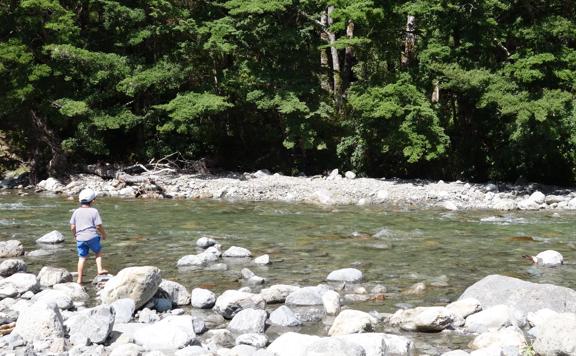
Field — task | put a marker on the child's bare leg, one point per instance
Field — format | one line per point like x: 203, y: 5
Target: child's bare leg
x: 81, y: 261
x: 99, y: 263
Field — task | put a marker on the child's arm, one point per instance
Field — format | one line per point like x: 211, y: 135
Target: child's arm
x: 101, y: 231
x: 73, y: 229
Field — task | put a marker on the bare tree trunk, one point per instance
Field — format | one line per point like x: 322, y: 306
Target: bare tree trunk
x: 324, y: 66
x: 336, y: 73
x: 57, y: 164
x: 409, y: 42
x: 349, y: 59
x: 435, y: 91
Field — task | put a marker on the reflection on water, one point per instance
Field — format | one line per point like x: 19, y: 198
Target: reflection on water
x: 396, y: 248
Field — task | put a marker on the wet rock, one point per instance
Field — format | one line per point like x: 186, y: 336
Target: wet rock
x: 53, y: 237
x: 49, y: 276
x: 352, y: 322
x: 202, y: 298
x: 351, y: 275
x: 123, y: 309
x: 10, y: 266
x: 94, y: 323
x: 277, y: 293
x: 262, y: 260
x: 174, y: 291
x: 284, y: 316
x: 328, y: 346
x: 425, y: 319
x: 60, y: 298
x: 237, y: 252
x: 205, y: 242
x: 11, y: 248
x: 40, y: 322
x: 494, y: 318
x: 248, y: 321
x: 257, y: 340
x: 521, y: 295
x: 331, y: 302
x: 510, y: 336
x: 137, y: 283
x: 291, y: 344
x: 231, y: 302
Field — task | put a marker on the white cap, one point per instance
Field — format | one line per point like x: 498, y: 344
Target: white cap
x: 87, y: 195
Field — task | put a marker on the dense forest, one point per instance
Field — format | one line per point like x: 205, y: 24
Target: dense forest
x: 475, y: 89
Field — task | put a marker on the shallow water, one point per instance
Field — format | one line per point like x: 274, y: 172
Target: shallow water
x: 393, y: 247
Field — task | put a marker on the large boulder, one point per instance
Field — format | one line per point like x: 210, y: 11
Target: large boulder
x: 351, y: 275
x: 11, y: 248
x: 49, y: 276
x: 40, y: 322
x: 95, y: 323
x: 18, y: 284
x: 53, y: 237
x: 521, y: 295
x: 232, y: 301
x: 10, y: 266
x: 248, y: 321
x: 351, y: 322
x: 138, y: 283
x: 174, y: 291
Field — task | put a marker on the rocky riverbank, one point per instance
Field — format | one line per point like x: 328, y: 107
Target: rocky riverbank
x: 333, y: 189
x: 138, y: 312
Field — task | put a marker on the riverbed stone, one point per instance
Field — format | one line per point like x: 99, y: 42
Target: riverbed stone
x: 248, y: 321
x: 253, y: 339
x: 262, y: 260
x: 53, y: 237
x: 554, y: 334
x: 231, y: 302
x: 219, y: 338
x: 74, y: 291
x: 129, y: 349
x: 504, y: 337
x: 464, y: 307
x: 123, y: 309
x: 10, y: 266
x: 237, y: 252
x: 166, y: 337
x: 291, y: 344
x: 11, y: 248
x: 352, y: 322
x: 328, y: 346
x: 205, y: 242
x: 351, y: 275
x: 377, y: 344
x: 284, y: 316
x: 549, y: 258
x: 494, y: 317
x: 94, y: 323
x: 199, y: 260
x: 40, y: 322
x: 49, y: 276
x: 306, y: 296
x: 202, y: 298
x: 174, y: 291
x: 424, y: 319
x: 521, y: 295
x: 18, y: 284
x: 60, y: 298
x: 277, y: 293
x: 331, y: 302
x: 138, y: 283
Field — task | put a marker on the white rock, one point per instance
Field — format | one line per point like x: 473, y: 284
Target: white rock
x: 53, y: 237
x: 167, y: 337
x: 205, y: 242
x: 306, y: 296
x: 449, y: 205
x: 123, y: 309
x: 11, y: 248
x: 202, y: 298
x: 256, y: 340
x: 40, y: 322
x: 249, y: 321
x: 291, y: 344
x: 94, y: 323
x: 328, y: 346
x: 508, y: 336
x: 20, y: 283
x: 238, y: 252
x: 10, y: 266
x: 127, y: 350
x: 231, y: 302
x: 426, y: 319
x: 323, y: 197
x: 351, y: 275
x: 176, y: 292
x: 549, y: 258
x: 138, y: 283
x: 493, y: 318
x: 352, y: 322
x: 48, y: 296
x: 284, y: 316
x: 74, y: 291
x: 527, y: 204
x: 555, y: 335
x: 277, y: 293
x: 331, y: 302
x: 262, y: 260
x: 350, y: 175
x: 49, y: 276
x: 538, y: 197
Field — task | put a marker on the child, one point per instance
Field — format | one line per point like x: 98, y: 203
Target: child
x: 86, y: 226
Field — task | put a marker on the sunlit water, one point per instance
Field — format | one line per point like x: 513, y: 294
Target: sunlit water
x: 392, y: 247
